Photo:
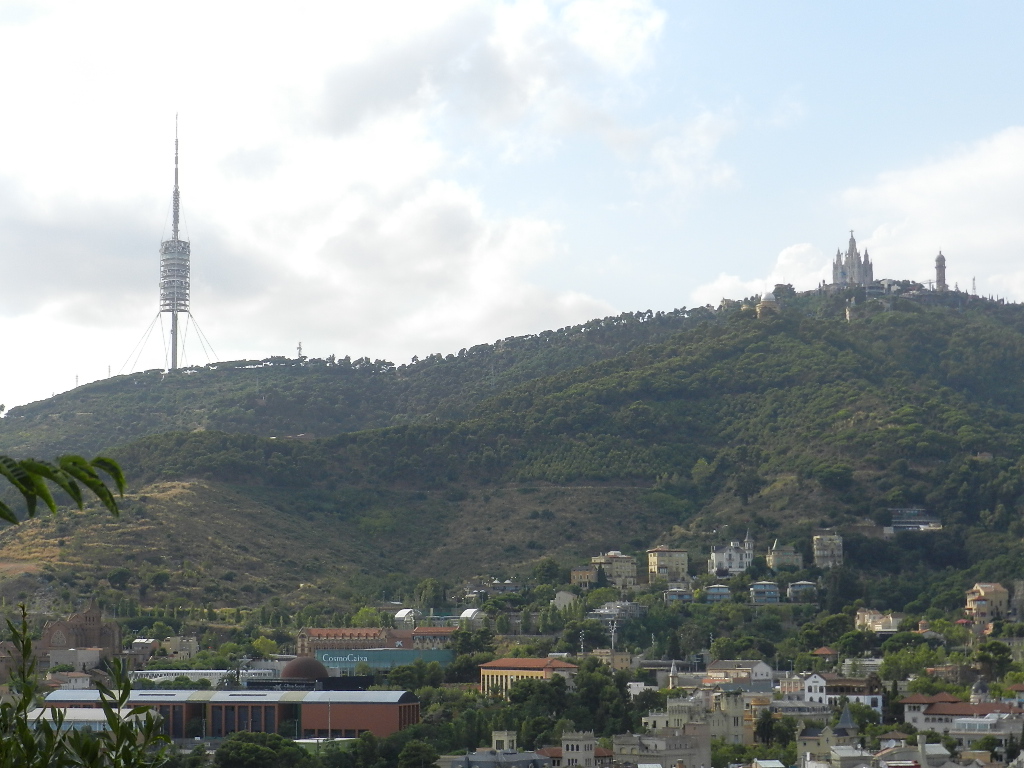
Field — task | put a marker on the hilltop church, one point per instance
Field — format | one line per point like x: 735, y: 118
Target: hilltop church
x: 851, y: 271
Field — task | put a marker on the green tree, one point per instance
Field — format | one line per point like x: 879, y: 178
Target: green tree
x: 994, y: 658
x: 417, y: 754
x: 264, y: 646
x: 430, y: 594
x: 366, y: 617
x: 260, y: 750
x: 764, y: 729
x: 134, y: 741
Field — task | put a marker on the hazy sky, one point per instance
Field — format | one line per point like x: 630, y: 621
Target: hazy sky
x: 394, y: 179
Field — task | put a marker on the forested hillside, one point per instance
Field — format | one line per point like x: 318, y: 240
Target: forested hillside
x: 281, y: 396
x: 625, y: 433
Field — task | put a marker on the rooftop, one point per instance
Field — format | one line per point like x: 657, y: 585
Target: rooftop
x: 528, y: 664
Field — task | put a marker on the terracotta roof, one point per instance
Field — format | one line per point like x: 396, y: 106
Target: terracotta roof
x: 351, y: 632
x: 894, y: 735
x: 922, y: 698
x: 434, y: 630
x: 528, y: 664
x: 824, y: 651
x: 1016, y: 687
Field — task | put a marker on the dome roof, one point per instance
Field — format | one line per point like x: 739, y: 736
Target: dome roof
x: 304, y: 668
x: 767, y: 296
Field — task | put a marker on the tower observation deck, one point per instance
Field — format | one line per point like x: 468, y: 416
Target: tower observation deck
x: 175, y: 281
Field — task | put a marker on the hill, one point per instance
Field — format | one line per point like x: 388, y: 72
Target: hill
x: 785, y: 425
x: 280, y: 396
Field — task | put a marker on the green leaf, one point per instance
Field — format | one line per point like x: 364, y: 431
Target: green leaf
x: 6, y: 513
x: 57, y: 476
x: 113, y: 469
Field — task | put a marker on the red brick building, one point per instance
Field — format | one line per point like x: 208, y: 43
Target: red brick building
x: 296, y: 714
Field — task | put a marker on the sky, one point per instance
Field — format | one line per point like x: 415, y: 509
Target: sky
x: 395, y: 179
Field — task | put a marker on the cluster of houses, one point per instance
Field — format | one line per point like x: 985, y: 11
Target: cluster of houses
x: 726, y: 700
x: 671, y: 566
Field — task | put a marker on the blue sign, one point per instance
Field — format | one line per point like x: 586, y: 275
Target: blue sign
x: 381, y: 658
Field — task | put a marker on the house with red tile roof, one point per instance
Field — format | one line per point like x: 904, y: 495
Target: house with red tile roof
x: 938, y: 712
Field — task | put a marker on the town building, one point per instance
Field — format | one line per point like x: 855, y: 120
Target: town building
x: 617, y: 660
x: 85, y: 630
x: 764, y: 593
x: 368, y: 660
x: 828, y: 550
x: 733, y: 558
x: 671, y: 565
x: 180, y: 648
x: 767, y: 306
x: 910, y: 520
x: 826, y: 688
x: 678, y: 595
x: 502, y: 754
x: 315, y: 714
x: 999, y: 725
x: 499, y: 675
x: 816, y: 743
x: 583, y: 576
x: 619, y: 569
x: 717, y: 593
x: 784, y: 556
x: 987, y: 602
x: 313, y: 639
x: 578, y: 748
x: 434, y: 638
x: 617, y: 611
x: 940, y: 712
x: 801, y: 591
x: 870, y: 620
x: 738, y: 670
x: 668, y: 747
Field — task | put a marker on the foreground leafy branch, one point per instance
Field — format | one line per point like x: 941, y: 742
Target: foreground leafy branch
x: 37, y: 738
x: 69, y: 473
x: 31, y: 738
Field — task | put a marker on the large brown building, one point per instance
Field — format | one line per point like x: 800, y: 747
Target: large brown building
x: 313, y: 639
x: 81, y: 630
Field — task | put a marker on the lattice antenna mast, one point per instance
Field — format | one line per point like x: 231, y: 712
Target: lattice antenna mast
x: 175, y: 281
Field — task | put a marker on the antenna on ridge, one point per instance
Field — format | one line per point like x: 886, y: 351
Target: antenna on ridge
x: 176, y: 199
x: 175, y: 279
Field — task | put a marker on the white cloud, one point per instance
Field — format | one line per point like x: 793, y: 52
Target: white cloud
x: 617, y: 33
x: 802, y: 265
x: 319, y: 146
x: 685, y: 159
x: 968, y: 205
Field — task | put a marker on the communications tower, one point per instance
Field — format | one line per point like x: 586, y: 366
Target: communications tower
x: 174, y: 265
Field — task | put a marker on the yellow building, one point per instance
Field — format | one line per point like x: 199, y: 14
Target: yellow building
x: 784, y: 556
x: 500, y: 674
x: 672, y: 565
x: 987, y: 602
